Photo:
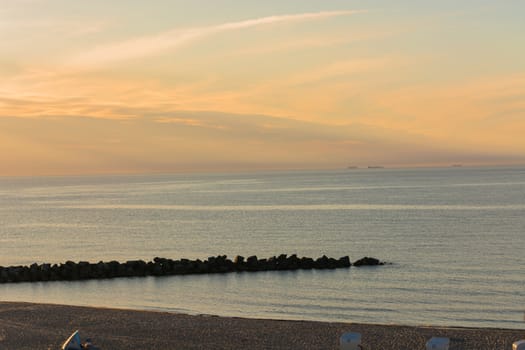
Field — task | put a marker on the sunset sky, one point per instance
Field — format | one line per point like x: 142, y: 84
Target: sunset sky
x: 133, y: 86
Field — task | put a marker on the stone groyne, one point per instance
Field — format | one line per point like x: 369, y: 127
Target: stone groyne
x: 83, y: 270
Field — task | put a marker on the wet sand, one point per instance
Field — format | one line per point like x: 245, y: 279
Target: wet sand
x: 43, y: 326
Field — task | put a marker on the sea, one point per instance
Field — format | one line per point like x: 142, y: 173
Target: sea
x: 454, y: 238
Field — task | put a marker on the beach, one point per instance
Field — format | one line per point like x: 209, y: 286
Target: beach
x: 46, y: 326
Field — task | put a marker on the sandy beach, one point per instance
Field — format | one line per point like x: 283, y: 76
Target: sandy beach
x: 43, y: 326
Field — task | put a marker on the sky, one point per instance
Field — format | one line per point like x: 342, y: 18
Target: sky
x: 132, y: 86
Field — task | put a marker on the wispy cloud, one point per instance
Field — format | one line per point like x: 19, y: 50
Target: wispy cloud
x: 283, y: 18
x: 169, y: 40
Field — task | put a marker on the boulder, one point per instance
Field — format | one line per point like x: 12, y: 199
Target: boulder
x: 367, y: 261
x: 322, y: 262
x: 84, y: 269
x: 293, y: 262
x: 307, y: 263
x: 3, y: 275
x: 344, y: 261
x: 252, y: 263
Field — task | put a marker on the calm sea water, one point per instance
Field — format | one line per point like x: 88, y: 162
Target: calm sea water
x: 455, y: 236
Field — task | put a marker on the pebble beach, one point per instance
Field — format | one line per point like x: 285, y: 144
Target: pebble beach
x: 45, y: 326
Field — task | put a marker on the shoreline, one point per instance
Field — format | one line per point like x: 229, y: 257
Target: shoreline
x: 45, y: 326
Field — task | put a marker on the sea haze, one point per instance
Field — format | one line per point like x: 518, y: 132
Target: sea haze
x: 455, y: 237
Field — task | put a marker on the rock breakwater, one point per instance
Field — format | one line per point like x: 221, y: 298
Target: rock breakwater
x: 83, y: 270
